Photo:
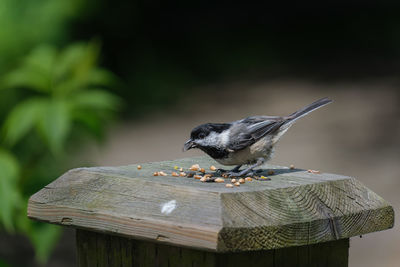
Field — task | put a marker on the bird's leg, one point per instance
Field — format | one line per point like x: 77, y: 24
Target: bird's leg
x: 236, y: 169
x: 246, y: 171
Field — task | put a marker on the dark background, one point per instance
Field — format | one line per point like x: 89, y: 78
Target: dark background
x: 162, y: 49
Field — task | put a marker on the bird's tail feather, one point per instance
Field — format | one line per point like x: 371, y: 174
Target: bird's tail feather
x: 307, y: 109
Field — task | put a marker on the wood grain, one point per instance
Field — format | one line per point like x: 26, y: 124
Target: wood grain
x: 95, y: 249
x: 294, y: 208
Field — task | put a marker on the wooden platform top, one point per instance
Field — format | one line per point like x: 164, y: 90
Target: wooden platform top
x: 294, y: 208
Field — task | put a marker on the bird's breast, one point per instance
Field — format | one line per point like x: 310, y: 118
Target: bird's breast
x: 261, y: 149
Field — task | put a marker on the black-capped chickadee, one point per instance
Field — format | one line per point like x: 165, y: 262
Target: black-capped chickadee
x: 248, y: 141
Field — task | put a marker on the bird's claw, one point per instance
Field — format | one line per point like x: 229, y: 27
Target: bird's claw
x: 232, y: 174
x: 219, y: 172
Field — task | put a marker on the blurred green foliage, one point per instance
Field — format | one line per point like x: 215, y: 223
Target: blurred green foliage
x: 67, y: 88
x: 62, y: 91
x: 27, y: 23
x: 49, y: 99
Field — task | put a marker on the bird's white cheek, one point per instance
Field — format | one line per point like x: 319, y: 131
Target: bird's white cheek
x: 210, y: 140
x: 224, y: 137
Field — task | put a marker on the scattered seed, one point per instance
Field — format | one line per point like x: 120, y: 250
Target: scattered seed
x: 197, y: 176
x: 314, y: 171
x: 249, y: 179
x: 229, y: 185
x: 181, y: 169
x: 291, y: 166
x: 270, y: 172
x: 202, y: 170
x: 182, y: 174
x: 155, y: 173
x: 241, y: 180
x: 208, y: 175
x: 262, y: 178
x: 162, y: 173
x: 233, y: 181
x: 175, y: 174
x: 219, y: 180
x: 237, y: 184
x: 190, y: 174
x: 207, y: 179
x: 139, y: 167
x: 213, y: 168
x: 195, y: 167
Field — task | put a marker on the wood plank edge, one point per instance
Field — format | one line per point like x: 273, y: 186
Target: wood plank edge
x: 204, y: 238
x: 386, y: 211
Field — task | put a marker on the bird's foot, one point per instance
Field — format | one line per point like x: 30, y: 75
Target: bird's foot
x: 227, y: 173
x: 220, y: 172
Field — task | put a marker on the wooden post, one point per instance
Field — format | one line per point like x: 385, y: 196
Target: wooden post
x: 97, y: 249
x: 128, y: 217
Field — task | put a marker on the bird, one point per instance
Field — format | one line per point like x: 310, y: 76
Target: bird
x: 249, y: 141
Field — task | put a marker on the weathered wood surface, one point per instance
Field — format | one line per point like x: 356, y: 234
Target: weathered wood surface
x: 294, y: 208
x: 96, y: 249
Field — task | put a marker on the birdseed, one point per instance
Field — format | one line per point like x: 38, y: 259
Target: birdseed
x: 195, y: 167
x: 190, y: 173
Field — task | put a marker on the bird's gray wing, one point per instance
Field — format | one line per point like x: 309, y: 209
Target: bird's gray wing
x: 256, y: 119
x: 246, y: 132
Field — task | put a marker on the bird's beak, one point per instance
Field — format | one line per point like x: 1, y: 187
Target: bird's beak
x: 189, y: 145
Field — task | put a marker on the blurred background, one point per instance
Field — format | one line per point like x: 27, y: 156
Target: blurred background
x: 85, y: 82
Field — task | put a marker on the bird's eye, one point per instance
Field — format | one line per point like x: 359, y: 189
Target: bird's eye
x: 202, y: 135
